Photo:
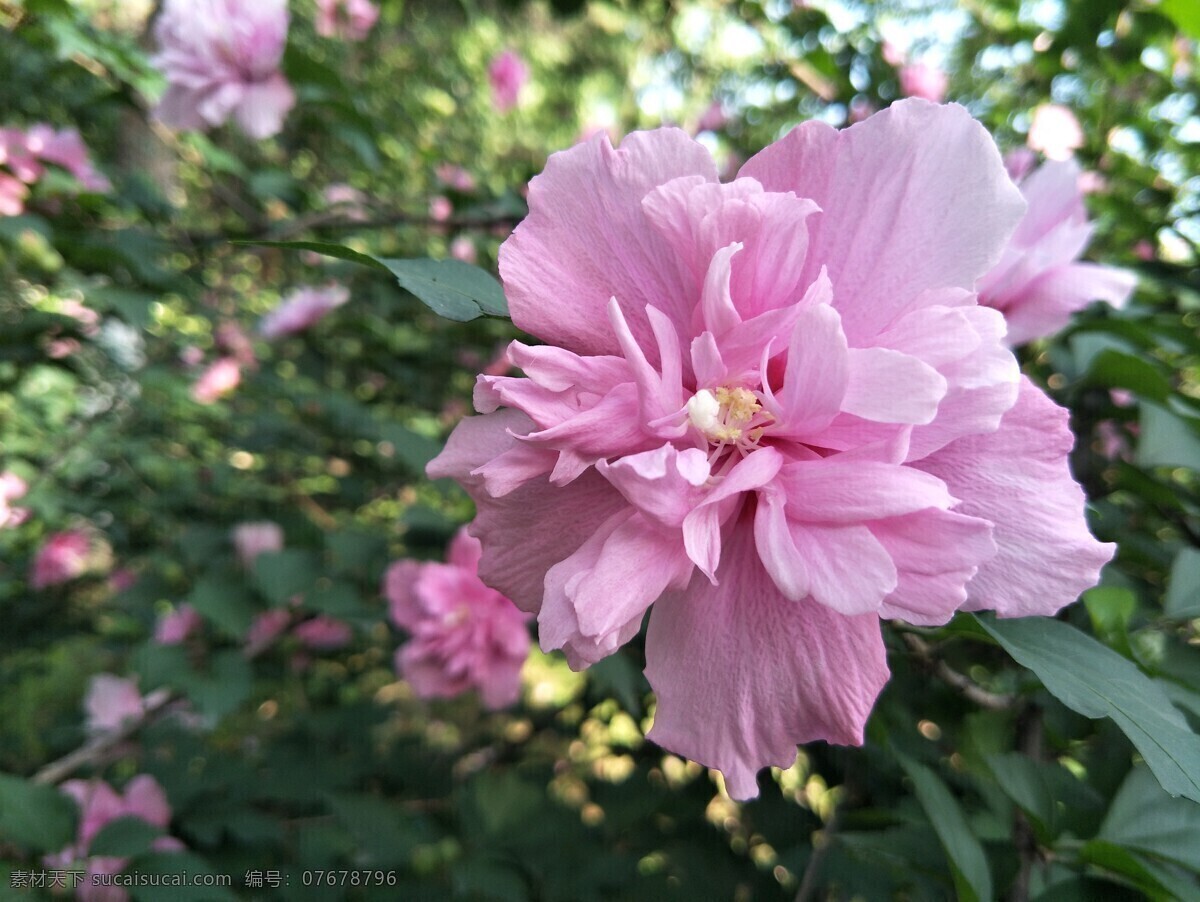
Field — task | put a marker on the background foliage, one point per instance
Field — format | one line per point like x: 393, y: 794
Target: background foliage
x: 1043, y: 778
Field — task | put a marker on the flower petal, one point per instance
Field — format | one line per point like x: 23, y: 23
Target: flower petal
x: 742, y: 674
x: 1018, y: 479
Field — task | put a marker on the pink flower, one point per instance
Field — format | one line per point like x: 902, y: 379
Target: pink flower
x: 221, y: 58
x: 65, y: 148
x: 923, y: 80
x: 17, y: 154
x: 233, y: 340
x: 712, y: 119
x: 61, y: 558
x: 1144, y: 250
x: 463, y: 635
x: 267, y: 627
x: 88, y: 319
x: 771, y: 413
x: 252, y: 539
x: 220, y: 378
x: 463, y: 248
x: 175, y: 627
x: 12, y: 195
x: 351, y: 20
x: 456, y: 177
x: 1055, y: 132
x: 99, y: 805
x: 1038, y: 283
x: 301, y: 309
x: 507, y: 74
x: 12, y: 487
x: 440, y: 208
x: 323, y: 633
x: 352, y: 202
x: 111, y: 702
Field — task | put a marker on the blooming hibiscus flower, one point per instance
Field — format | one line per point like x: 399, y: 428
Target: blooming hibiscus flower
x: 463, y: 635
x: 773, y: 410
x: 221, y: 58
x: 1038, y: 282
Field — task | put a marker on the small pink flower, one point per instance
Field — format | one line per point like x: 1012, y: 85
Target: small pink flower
x: 301, y: 309
x: 351, y: 20
x: 12, y: 195
x: 350, y: 200
x: 122, y: 580
x: 61, y: 558
x: 1144, y: 250
x: 463, y: 248
x: 111, y: 702
x: 267, y: 627
x: 18, y: 156
x: 323, y: 633
x: 65, y: 148
x: 234, y: 342
x: 175, y: 627
x: 1038, y: 282
x: 12, y: 487
x: 463, y: 634
x: 222, y: 377
x: 770, y: 414
x: 440, y: 208
x: 456, y: 177
x: 191, y: 356
x: 88, y: 319
x: 712, y: 119
x: 221, y: 59
x: 507, y: 74
x: 252, y: 539
x: 923, y: 80
x: 99, y: 805
x: 1055, y: 132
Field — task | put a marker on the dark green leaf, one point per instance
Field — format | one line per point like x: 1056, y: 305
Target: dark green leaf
x: 1183, y: 589
x: 1144, y: 818
x: 33, y: 816
x: 451, y: 288
x: 972, y: 878
x: 125, y: 837
x: 178, y: 877
x: 280, y: 575
x: 1097, y: 682
x: 224, y: 602
x: 1166, y: 439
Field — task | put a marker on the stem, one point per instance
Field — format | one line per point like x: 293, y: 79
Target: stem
x: 808, y: 883
x: 1029, y: 740
x: 947, y: 674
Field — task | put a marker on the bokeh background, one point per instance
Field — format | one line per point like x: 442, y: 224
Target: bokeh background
x: 280, y: 756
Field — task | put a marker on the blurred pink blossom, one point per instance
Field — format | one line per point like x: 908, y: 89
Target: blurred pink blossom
x: 12, y: 487
x: 712, y: 119
x: 62, y: 557
x: 12, y: 195
x: 463, y: 248
x: 323, y: 633
x: 352, y: 202
x: 175, y: 627
x: 110, y: 702
x: 233, y: 340
x: 507, y: 74
x: 191, y: 356
x: 220, y: 378
x: 1055, y: 132
x: 463, y: 635
x: 88, y: 319
x: 267, y: 627
x: 769, y: 413
x: 99, y: 805
x: 221, y: 58
x: 923, y: 80
x: 893, y: 54
x: 440, y: 208
x: 1038, y: 282
x: 1144, y: 250
x: 65, y: 148
x: 455, y: 177
x: 351, y: 20
x: 122, y: 580
x: 18, y: 156
x: 253, y: 538
x: 1019, y: 162
x: 302, y: 309
x: 860, y: 108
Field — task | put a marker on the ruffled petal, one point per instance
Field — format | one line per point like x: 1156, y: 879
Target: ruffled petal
x: 587, y: 239
x: 743, y: 675
x: 914, y: 198
x: 1018, y: 479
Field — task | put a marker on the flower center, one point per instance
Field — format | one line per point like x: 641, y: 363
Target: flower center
x: 728, y: 417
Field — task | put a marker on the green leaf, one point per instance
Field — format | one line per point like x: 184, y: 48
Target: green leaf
x: 223, y: 686
x: 451, y: 288
x: 1144, y: 818
x: 223, y: 602
x: 33, y: 816
x: 1111, y: 608
x: 1095, y: 681
x: 125, y: 837
x: 1115, y: 369
x: 383, y: 832
x: 1184, y: 13
x: 1183, y: 588
x: 968, y: 864
x: 1166, y: 439
x: 280, y: 575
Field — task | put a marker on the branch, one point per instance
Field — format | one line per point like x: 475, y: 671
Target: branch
x: 808, y: 883
x: 951, y: 677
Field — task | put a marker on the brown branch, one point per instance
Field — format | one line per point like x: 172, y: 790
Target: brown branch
x: 951, y: 677
x: 808, y: 883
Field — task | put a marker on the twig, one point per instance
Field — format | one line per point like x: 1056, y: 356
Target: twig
x: 99, y: 746
x: 1029, y: 741
x: 947, y: 674
x: 808, y: 883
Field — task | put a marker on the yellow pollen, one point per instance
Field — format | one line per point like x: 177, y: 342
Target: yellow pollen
x: 728, y: 416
